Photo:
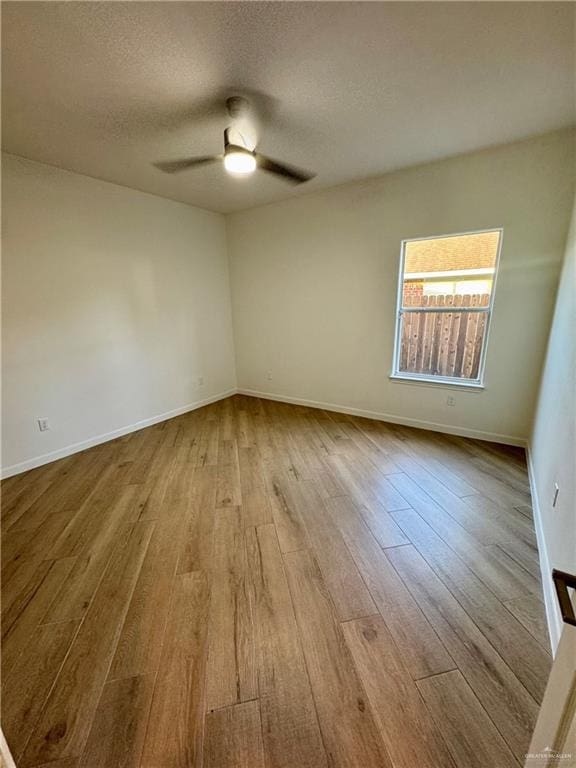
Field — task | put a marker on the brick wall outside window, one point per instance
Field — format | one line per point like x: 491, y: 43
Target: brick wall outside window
x: 413, y: 292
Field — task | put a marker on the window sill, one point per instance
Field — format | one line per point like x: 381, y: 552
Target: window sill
x: 436, y: 381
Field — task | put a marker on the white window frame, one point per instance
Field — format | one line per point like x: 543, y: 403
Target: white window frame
x: 424, y: 378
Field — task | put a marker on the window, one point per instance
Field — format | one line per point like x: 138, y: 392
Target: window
x: 445, y: 297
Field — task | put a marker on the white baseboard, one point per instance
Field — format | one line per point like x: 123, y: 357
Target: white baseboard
x: 46, y: 458
x: 61, y: 453
x: 477, y: 434
x: 553, y: 616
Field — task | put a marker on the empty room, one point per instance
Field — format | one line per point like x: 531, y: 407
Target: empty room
x: 288, y: 412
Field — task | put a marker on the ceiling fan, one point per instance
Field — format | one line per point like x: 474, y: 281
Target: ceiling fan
x: 238, y: 160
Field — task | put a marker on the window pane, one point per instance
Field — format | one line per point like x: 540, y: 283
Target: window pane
x: 442, y: 343
x: 449, y: 266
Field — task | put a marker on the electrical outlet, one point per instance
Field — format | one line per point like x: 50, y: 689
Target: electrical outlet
x: 269, y: 375
x: 556, y: 492
x: 450, y: 400
x: 200, y: 381
x: 43, y: 425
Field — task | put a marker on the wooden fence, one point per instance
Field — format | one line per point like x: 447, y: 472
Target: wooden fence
x: 444, y: 343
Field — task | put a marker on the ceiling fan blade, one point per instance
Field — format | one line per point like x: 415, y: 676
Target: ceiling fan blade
x: 288, y: 172
x: 175, y: 166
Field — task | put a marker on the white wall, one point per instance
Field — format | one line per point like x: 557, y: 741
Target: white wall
x: 314, y: 284
x: 553, y: 440
x: 115, y: 302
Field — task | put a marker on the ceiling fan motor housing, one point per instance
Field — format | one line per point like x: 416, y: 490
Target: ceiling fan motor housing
x: 232, y: 146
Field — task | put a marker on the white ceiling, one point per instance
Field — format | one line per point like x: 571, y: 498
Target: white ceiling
x: 348, y: 89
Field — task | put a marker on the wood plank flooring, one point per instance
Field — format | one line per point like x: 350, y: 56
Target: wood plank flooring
x: 271, y: 586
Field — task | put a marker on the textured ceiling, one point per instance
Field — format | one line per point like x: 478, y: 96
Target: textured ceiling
x: 348, y: 90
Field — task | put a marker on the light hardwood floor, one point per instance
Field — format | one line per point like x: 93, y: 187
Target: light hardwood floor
x: 258, y: 584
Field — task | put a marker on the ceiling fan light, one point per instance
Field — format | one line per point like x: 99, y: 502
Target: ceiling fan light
x: 239, y: 163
